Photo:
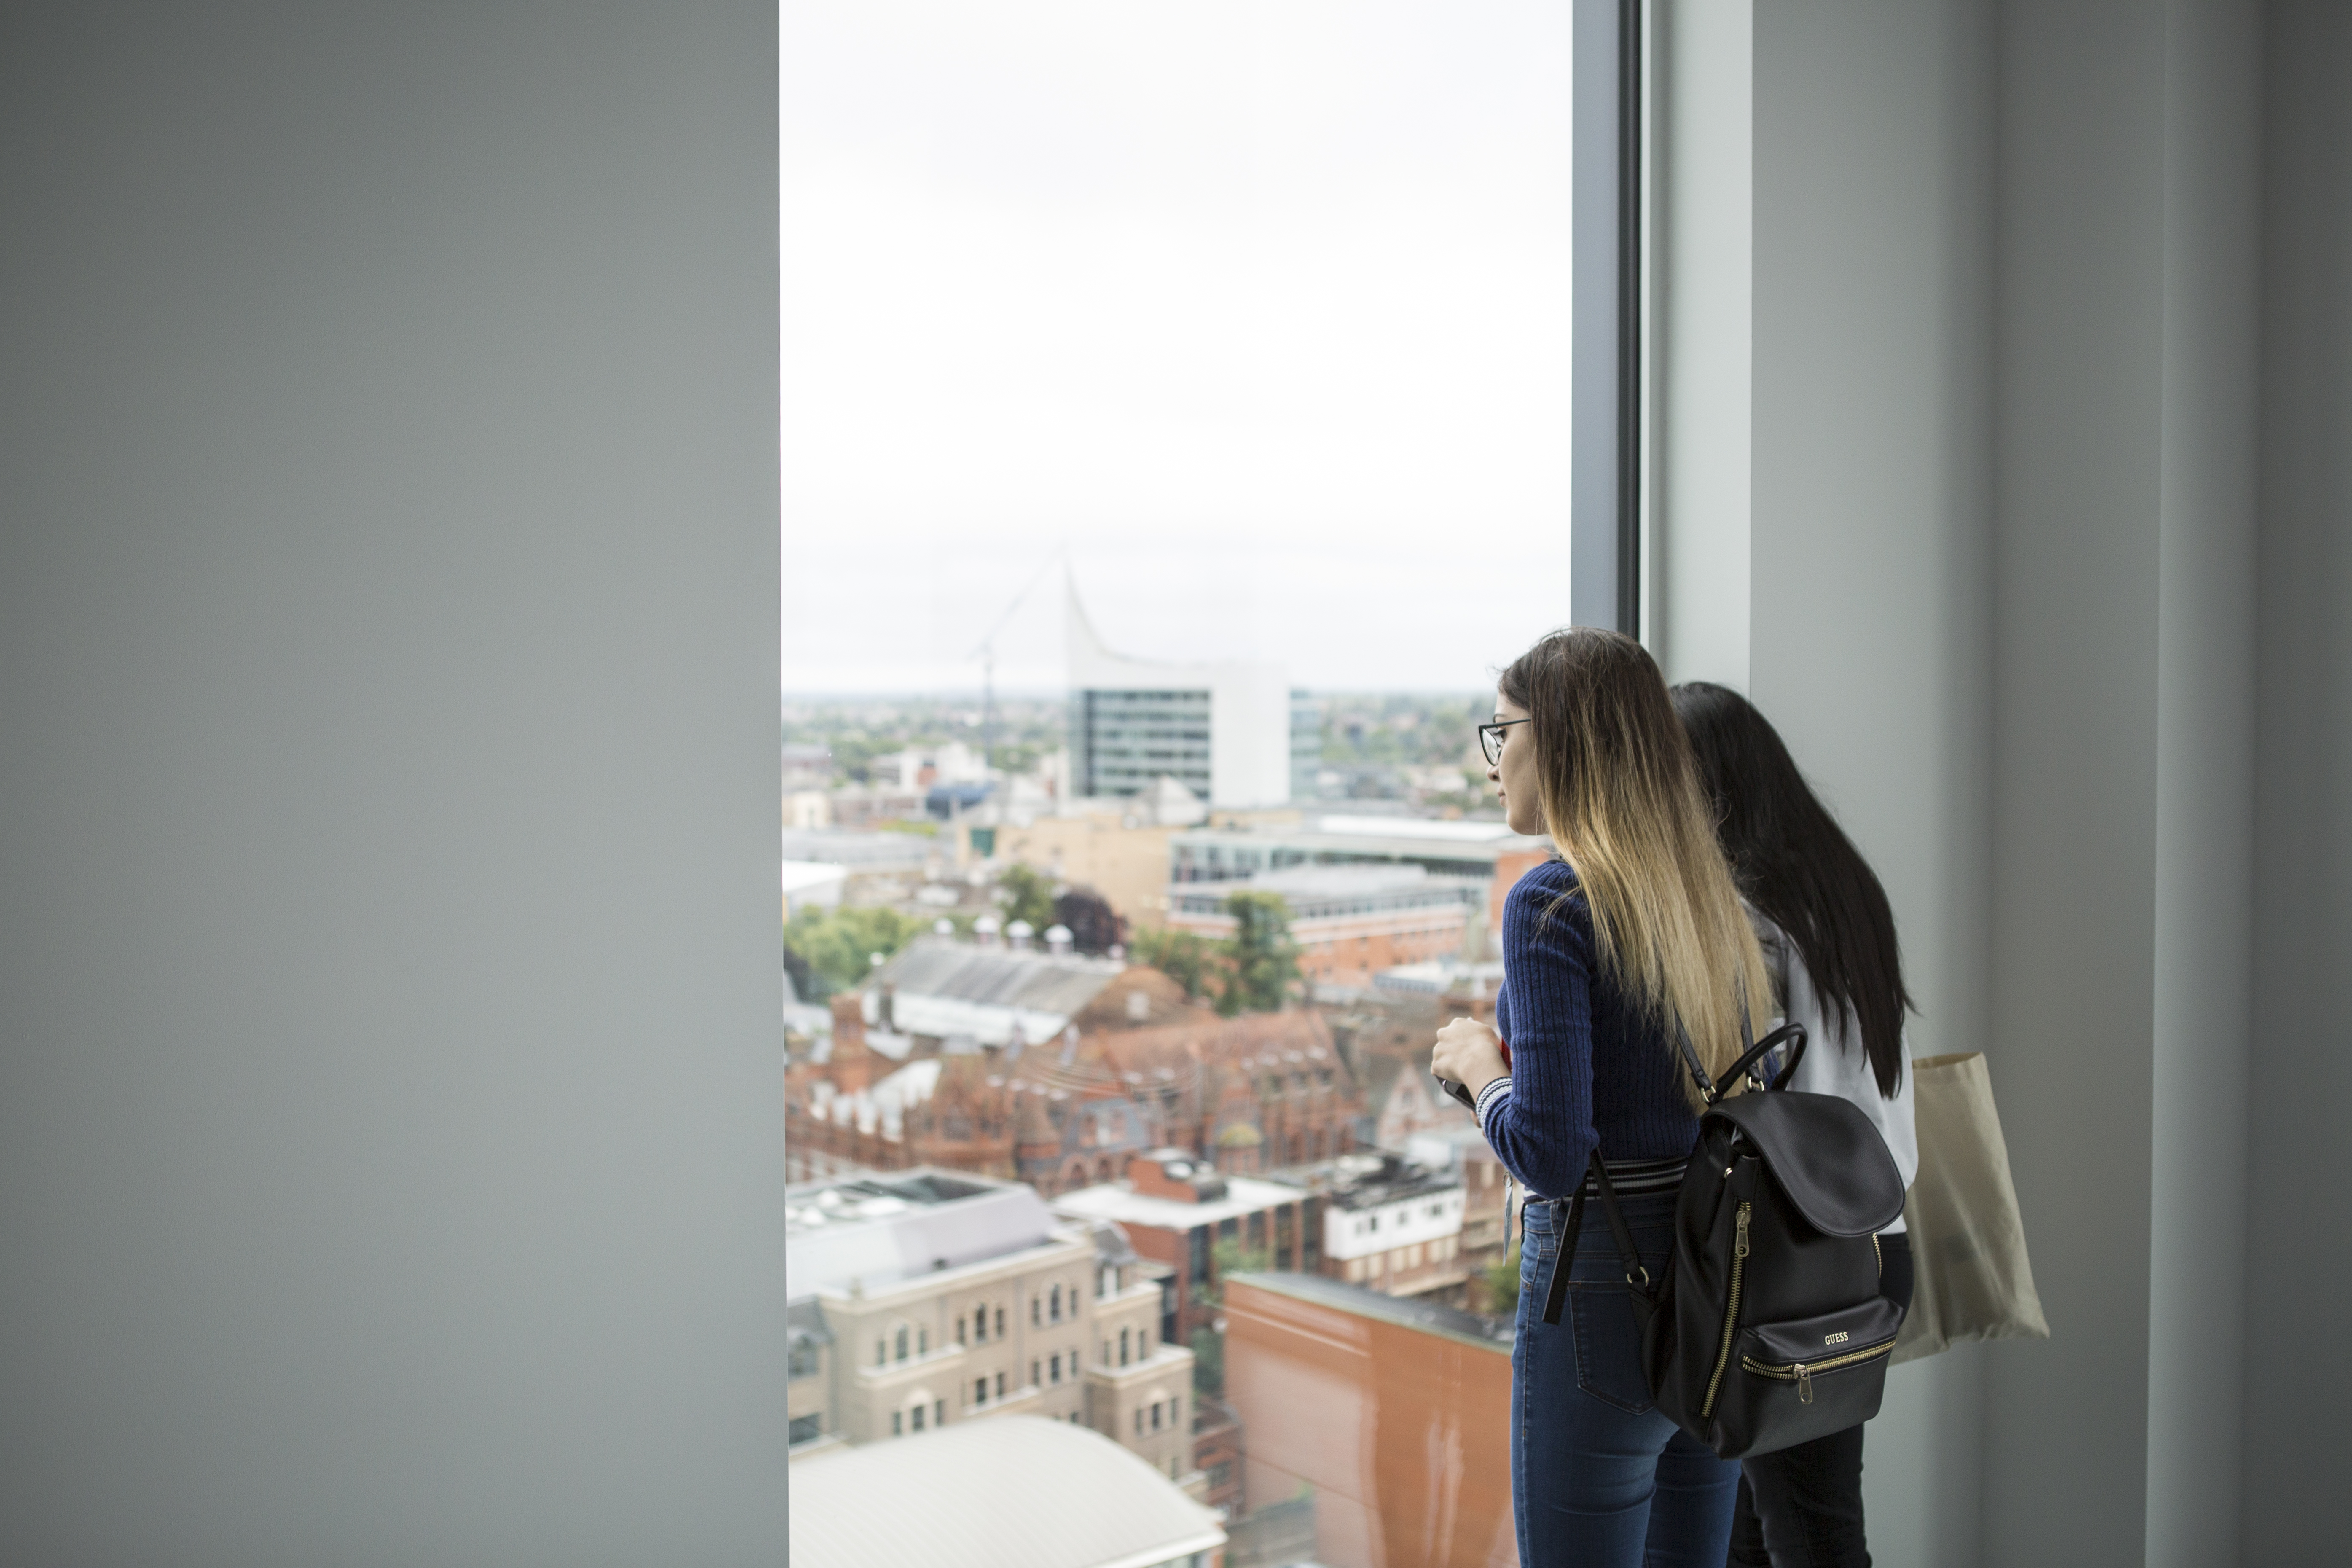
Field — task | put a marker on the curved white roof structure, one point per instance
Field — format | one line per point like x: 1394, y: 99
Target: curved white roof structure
x: 1009, y: 1492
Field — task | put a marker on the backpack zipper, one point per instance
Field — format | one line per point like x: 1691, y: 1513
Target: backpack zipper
x: 1802, y: 1371
x: 1730, y: 1312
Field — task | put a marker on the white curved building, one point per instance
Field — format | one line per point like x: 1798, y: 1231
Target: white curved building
x: 1222, y: 731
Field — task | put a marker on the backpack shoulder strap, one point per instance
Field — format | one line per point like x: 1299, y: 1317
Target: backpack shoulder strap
x: 1629, y: 1256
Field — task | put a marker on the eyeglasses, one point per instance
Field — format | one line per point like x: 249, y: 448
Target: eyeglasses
x: 1491, y: 737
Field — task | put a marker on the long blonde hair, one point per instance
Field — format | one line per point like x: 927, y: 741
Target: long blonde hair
x: 1621, y: 798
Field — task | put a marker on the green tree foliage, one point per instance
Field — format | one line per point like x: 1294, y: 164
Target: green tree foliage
x: 1503, y: 1283
x: 1027, y: 894
x: 1208, y: 1364
x: 1178, y: 955
x: 836, y: 945
x: 1226, y: 1257
x: 1263, y: 961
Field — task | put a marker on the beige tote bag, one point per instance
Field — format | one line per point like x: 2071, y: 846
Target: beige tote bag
x: 1968, y: 1244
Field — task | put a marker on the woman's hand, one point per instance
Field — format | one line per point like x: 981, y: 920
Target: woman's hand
x: 1469, y: 1053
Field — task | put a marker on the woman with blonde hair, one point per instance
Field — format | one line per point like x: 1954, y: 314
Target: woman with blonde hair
x: 1634, y: 932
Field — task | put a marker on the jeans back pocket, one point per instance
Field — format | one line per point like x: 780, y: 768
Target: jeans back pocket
x: 1608, y: 1346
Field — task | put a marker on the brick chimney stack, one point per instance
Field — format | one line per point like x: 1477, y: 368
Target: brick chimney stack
x: 852, y: 1064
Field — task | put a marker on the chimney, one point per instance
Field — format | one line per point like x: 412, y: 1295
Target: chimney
x: 852, y: 1064
x: 1057, y: 940
x: 984, y: 930
x: 1018, y: 933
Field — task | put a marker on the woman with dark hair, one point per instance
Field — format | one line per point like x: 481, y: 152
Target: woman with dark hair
x: 1828, y: 935
x: 1637, y: 930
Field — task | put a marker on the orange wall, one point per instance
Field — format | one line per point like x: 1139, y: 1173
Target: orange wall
x: 1403, y: 1435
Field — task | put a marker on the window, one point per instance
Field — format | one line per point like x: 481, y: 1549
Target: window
x: 939, y: 1412
x: 1199, y: 332
x: 980, y: 1390
x: 881, y: 1353
x: 804, y: 1360
x: 805, y: 1429
x: 902, y: 1345
x: 959, y: 1331
x: 922, y: 1341
x: 898, y: 1423
x: 920, y: 1414
x: 1000, y: 1386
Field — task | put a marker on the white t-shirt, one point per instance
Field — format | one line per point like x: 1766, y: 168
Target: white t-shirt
x: 1835, y: 1062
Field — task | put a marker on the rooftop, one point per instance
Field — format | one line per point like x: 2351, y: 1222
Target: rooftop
x: 942, y: 987
x: 858, y: 848
x: 1399, y: 836
x: 1472, y: 1328
x: 1435, y: 976
x: 1367, y: 1181
x: 881, y: 1229
x: 1120, y: 1202
x: 1013, y: 1491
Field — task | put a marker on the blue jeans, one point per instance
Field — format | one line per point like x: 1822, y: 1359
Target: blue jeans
x: 1598, y: 1478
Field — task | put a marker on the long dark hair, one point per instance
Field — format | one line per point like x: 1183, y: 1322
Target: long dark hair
x: 1795, y: 866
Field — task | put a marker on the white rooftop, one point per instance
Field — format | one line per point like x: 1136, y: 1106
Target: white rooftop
x: 886, y: 1227
x: 1417, y: 827
x: 1011, y: 1491
x: 1119, y: 1201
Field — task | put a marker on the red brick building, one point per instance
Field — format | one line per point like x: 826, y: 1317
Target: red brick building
x: 1351, y: 1394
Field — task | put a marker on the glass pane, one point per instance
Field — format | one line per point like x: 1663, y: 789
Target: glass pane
x: 1176, y: 441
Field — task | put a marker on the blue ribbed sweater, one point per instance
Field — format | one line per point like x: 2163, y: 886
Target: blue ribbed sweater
x: 1584, y: 1065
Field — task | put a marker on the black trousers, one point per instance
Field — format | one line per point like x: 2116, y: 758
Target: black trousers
x: 1801, y: 1507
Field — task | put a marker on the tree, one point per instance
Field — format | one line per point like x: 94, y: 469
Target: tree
x: 1263, y: 961
x: 1178, y: 955
x: 837, y: 945
x: 1095, y: 926
x: 1228, y: 1257
x: 1026, y: 894
x: 1503, y: 1283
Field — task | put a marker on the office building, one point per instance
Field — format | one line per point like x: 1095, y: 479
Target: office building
x: 1221, y: 730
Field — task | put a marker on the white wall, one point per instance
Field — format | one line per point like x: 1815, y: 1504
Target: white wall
x: 390, y: 1169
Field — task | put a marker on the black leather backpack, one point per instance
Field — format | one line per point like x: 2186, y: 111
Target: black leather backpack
x: 1767, y: 1328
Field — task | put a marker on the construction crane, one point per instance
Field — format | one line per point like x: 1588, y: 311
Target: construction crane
x: 986, y: 653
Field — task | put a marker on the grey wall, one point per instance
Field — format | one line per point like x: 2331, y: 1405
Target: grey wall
x: 2298, y: 1271
x: 2078, y: 358
x: 2204, y: 778
x: 2032, y: 285
x: 1870, y: 596
x: 389, y: 1155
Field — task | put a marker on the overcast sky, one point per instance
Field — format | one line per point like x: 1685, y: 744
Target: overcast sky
x: 1252, y: 316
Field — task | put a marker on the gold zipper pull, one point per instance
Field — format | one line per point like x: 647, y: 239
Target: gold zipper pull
x: 1804, y: 1384
x: 1739, y: 1246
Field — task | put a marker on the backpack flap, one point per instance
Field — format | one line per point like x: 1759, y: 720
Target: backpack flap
x: 1824, y: 1155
